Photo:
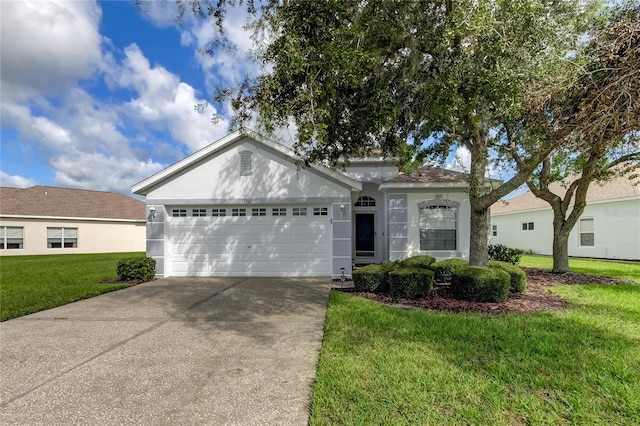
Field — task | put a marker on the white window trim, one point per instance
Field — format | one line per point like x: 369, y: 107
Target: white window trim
x: 62, y: 237
x: 580, y: 232
x: 440, y: 203
x: 5, y: 237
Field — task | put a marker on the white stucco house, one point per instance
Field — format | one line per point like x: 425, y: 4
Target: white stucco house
x: 53, y: 220
x: 247, y: 206
x: 609, y: 227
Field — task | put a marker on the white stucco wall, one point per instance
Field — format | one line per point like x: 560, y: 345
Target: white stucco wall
x: 93, y: 236
x: 464, y: 215
x: 374, y: 173
x: 273, y: 177
x: 616, y: 226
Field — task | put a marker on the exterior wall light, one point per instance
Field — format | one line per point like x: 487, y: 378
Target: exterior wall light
x: 152, y: 212
x: 342, y: 210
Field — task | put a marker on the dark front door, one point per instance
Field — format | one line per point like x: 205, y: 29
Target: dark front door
x: 365, y: 235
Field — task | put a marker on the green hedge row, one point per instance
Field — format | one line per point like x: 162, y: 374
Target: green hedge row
x: 518, y: 277
x: 410, y: 283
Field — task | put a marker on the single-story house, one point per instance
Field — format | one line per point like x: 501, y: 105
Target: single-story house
x: 247, y: 206
x: 52, y: 220
x: 608, y: 228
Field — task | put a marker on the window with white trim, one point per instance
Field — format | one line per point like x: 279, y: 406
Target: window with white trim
x: 11, y: 237
x: 238, y: 212
x: 62, y: 237
x: 299, y: 211
x: 320, y: 211
x: 365, y: 201
x: 179, y: 213
x: 218, y: 212
x: 258, y: 211
x: 198, y: 212
x: 587, y: 233
x: 246, y: 168
x: 279, y: 211
x: 494, y: 230
x: 527, y: 226
x: 438, y: 227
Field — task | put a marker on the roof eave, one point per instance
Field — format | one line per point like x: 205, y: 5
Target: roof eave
x: 426, y: 185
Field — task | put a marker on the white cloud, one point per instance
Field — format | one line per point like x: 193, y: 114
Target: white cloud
x: 92, y: 143
x: 15, y: 181
x: 166, y: 102
x: 461, y: 161
x: 47, y: 46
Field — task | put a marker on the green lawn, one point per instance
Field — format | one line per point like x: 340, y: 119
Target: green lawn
x: 381, y: 365
x: 33, y: 283
x: 625, y: 270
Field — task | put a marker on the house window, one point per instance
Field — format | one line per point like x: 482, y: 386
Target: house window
x: 299, y: 211
x: 279, y: 211
x: 199, y: 212
x: 527, y: 226
x: 494, y: 230
x: 258, y: 211
x: 11, y: 237
x: 365, y: 201
x: 218, y: 212
x: 438, y: 227
x: 179, y: 213
x: 245, y: 163
x: 320, y: 211
x: 62, y: 237
x: 238, y: 212
x: 587, y: 234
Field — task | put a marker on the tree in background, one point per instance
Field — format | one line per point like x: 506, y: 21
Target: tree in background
x: 595, y: 120
x: 357, y: 76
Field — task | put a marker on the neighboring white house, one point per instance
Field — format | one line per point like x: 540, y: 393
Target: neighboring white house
x: 246, y: 206
x: 608, y: 228
x: 51, y: 220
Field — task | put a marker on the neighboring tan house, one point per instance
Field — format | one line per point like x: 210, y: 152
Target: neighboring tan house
x: 51, y: 220
x: 609, y: 227
x: 247, y: 206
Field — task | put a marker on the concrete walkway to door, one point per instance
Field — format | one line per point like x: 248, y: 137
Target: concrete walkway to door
x: 208, y: 351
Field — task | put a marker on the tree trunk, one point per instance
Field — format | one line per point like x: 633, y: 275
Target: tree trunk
x: 560, y: 251
x: 479, y: 240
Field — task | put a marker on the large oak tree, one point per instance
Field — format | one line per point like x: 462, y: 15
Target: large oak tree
x: 363, y: 75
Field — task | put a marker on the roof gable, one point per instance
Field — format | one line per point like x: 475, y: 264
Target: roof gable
x: 42, y: 201
x: 220, y: 145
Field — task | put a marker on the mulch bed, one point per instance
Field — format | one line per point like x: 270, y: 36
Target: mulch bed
x: 536, y: 298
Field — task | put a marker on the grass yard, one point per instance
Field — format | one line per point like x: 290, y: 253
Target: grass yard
x: 383, y: 365
x: 626, y: 270
x: 33, y: 283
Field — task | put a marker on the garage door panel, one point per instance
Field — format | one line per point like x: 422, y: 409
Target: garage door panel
x: 251, y: 245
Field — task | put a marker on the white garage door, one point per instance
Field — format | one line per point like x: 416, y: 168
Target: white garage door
x: 250, y: 241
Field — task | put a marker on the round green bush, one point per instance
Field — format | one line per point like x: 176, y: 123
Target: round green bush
x: 418, y: 262
x: 444, y: 268
x: 136, y: 269
x: 480, y: 284
x: 518, y: 276
x: 410, y: 283
x: 370, y: 278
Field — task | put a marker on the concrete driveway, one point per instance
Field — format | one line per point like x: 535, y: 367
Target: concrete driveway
x: 211, y: 351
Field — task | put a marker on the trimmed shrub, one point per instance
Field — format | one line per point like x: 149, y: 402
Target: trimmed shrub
x: 444, y: 268
x: 418, y: 262
x: 502, y: 253
x: 518, y: 277
x: 410, y: 283
x: 480, y: 284
x: 136, y: 269
x: 370, y: 278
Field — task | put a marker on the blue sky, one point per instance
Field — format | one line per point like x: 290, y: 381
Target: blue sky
x: 97, y: 95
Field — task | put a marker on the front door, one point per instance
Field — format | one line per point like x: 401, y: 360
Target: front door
x: 365, y: 235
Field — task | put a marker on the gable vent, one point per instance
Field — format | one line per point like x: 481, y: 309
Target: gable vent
x: 245, y: 163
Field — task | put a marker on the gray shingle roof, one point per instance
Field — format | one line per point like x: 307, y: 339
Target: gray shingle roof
x: 66, y: 202
x: 427, y: 174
